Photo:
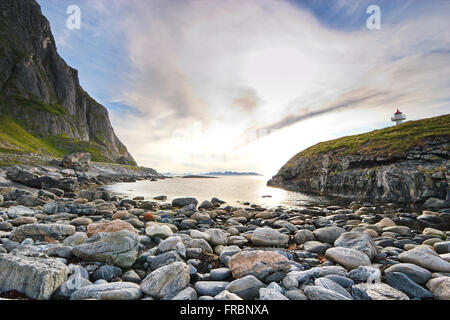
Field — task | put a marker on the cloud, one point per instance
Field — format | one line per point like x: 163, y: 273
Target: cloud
x: 202, y: 76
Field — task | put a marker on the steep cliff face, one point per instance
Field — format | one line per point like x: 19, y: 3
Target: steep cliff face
x: 405, y: 163
x: 40, y: 93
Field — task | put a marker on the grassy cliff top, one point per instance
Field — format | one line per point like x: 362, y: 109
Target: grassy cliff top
x: 14, y: 139
x: 395, y: 140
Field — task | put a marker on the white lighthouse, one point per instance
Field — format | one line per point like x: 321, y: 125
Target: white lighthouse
x: 398, y: 117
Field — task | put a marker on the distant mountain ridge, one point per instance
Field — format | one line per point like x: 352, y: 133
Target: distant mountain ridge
x: 43, y: 108
x: 231, y: 173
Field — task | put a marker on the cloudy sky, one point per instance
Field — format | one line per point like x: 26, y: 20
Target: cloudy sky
x: 197, y: 86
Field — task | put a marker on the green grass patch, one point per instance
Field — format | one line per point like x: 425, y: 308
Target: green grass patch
x: 14, y: 139
x: 53, y: 108
x: 17, y: 140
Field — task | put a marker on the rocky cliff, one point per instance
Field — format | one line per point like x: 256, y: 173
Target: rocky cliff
x: 43, y: 108
x: 405, y: 163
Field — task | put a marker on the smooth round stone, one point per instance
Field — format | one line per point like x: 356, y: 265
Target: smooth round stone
x: 342, y: 281
x: 349, y: 258
x: 442, y: 247
x: 131, y: 276
x: 401, y: 282
x: 226, y: 295
x: 425, y: 257
x: 295, y: 294
x: 106, y: 273
x: 210, y: 288
x: 414, y: 272
x: 320, y: 293
x: 377, y: 291
x: 303, y: 236
x: 328, y: 234
x: 315, y: 246
x: 365, y: 274
x: 331, y: 285
x: 434, y: 232
x: 246, y: 287
x: 432, y: 241
x: 220, y: 274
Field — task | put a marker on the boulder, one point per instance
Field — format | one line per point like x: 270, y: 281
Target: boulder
x: 45, y: 232
x: 257, y: 263
x: 268, y: 237
x: 377, y: 291
x: 321, y: 293
x: 166, y: 281
x: 78, y: 161
x: 359, y: 241
x: 181, y: 202
x: 328, y: 234
x: 19, y: 211
x: 119, y: 248
x: 424, y: 256
x: 109, y: 291
x: 247, y: 287
x: 109, y: 226
x: 349, y: 258
x: 35, y: 275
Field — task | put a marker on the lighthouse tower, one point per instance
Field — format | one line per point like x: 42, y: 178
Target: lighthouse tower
x: 398, y: 117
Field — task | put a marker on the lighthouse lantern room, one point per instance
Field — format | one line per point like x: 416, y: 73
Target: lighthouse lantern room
x: 398, y: 117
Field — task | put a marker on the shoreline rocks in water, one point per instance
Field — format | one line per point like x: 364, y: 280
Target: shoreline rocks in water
x: 91, y: 244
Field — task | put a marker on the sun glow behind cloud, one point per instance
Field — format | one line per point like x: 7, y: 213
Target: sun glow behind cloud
x: 203, y: 77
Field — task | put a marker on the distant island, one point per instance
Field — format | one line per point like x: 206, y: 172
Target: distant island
x: 232, y: 173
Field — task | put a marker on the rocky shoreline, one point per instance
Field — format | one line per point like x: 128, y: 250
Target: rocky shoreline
x: 77, y: 243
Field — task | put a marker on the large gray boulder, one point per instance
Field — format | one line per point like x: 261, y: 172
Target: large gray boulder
x: 268, y: 237
x: 181, y: 202
x: 118, y: 248
x: 377, y: 291
x: 425, y: 257
x: 79, y: 161
x: 359, y: 241
x: 33, y: 274
x: 166, y: 281
x: 46, y: 232
x: 109, y: 291
x: 349, y: 258
x: 247, y: 287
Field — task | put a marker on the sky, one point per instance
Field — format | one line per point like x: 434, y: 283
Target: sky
x: 194, y: 86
